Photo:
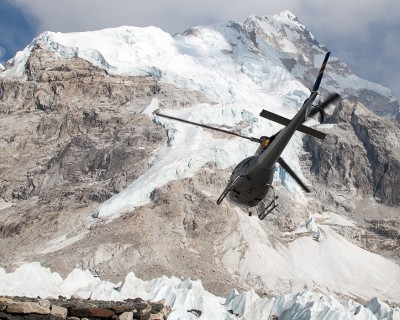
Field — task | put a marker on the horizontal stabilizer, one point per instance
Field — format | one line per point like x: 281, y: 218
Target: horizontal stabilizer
x: 284, y: 121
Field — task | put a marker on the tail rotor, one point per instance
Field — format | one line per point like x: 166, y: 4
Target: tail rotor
x: 322, y: 106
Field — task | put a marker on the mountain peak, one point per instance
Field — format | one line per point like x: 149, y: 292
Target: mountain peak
x: 288, y: 17
x: 286, y: 14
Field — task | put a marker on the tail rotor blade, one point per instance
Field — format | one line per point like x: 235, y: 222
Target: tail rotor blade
x: 332, y: 98
x: 318, y: 109
x: 289, y: 170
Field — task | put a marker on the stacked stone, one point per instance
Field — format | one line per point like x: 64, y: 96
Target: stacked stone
x: 77, y: 309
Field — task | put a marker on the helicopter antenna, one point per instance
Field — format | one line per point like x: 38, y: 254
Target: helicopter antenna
x: 258, y: 140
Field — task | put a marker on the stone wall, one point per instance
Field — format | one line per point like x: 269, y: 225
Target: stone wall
x: 21, y: 308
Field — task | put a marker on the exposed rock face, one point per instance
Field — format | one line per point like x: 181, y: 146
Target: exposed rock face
x: 381, y: 141
x: 73, y: 136
x: 355, y: 167
x: 63, y: 131
x: 361, y: 152
x: 76, y: 125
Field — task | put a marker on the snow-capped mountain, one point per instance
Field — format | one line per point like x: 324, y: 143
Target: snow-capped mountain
x: 298, y: 49
x: 102, y: 183
x: 253, y: 49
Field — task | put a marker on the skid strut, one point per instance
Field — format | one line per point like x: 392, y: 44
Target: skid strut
x: 227, y: 189
x: 263, y: 209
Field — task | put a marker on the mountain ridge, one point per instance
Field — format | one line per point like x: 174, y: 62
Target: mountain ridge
x: 255, y: 29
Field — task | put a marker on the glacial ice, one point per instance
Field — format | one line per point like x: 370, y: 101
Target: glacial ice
x: 188, y: 299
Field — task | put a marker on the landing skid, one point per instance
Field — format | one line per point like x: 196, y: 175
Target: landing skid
x: 227, y: 190
x: 263, y: 210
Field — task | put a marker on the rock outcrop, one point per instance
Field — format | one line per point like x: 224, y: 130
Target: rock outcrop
x: 70, y: 126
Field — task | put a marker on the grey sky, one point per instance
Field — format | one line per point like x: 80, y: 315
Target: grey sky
x: 364, y: 34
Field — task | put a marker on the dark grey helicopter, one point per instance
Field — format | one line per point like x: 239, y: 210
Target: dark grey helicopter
x: 252, y: 178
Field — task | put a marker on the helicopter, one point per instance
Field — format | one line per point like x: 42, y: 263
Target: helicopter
x: 252, y: 178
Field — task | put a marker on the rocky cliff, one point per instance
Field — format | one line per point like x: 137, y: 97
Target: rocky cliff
x: 356, y: 168
x: 361, y: 153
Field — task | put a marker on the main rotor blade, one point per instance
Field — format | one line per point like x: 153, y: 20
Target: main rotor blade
x: 285, y: 166
x: 210, y: 128
x: 333, y: 97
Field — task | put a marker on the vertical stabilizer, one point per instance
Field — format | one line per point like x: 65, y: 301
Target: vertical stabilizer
x: 321, y: 72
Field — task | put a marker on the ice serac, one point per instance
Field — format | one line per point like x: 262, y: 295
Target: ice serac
x: 77, y: 122
x: 188, y: 299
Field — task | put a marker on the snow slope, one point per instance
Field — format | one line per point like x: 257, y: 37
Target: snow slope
x: 33, y: 280
x: 332, y: 264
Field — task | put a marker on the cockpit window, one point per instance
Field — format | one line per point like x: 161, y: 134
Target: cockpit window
x: 263, y: 145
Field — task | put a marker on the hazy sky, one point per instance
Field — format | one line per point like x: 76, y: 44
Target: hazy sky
x: 363, y: 34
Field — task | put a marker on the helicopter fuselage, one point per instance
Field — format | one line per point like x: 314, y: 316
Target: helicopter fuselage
x: 252, y: 177
x: 250, y: 182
